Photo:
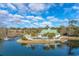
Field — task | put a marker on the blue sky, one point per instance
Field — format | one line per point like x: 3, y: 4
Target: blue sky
x: 37, y: 14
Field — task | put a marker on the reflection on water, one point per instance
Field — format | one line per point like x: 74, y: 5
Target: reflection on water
x: 1, y: 43
x: 12, y: 48
x: 73, y: 45
x: 44, y: 46
x: 48, y: 47
x: 1, y: 46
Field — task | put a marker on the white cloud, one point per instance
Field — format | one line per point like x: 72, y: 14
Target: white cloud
x: 11, y: 6
x: 18, y: 19
x: 35, y: 23
x: 29, y: 17
x: 8, y: 5
x: 38, y: 18
x: 45, y: 23
x: 61, y: 4
x: 59, y: 22
x: 34, y: 18
x: 15, y: 18
x: 67, y: 10
x: 20, y: 5
x: 66, y: 20
x: 3, y: 12
x: 25, y: 21
x: 22, y: 8
x: 18, y: 16
x: 76, y: 7
x: 37, y: 7
x: 9, y: 19
x: 33, y: 8
x: 2, y: 5
x: 3, y: 17
x: 54, y: 19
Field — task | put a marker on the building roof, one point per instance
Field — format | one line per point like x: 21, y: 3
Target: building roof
x: 49, y: 31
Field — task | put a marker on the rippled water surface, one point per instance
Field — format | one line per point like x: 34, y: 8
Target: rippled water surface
x: 12, y: 48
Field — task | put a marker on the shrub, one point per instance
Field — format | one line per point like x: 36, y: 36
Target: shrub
x: 51, y: 35
x: 24, y: 38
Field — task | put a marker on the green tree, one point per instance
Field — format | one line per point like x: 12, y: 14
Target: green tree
x: 50, y: 35
x: 73, y: 28
x: 72, y: 22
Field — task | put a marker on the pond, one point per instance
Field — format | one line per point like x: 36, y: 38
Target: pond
x: 12, y: 48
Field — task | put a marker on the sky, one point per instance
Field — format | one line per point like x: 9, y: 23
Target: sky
x: 35, y: 15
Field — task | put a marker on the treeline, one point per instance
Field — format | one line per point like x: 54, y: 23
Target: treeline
x: 71, y: 30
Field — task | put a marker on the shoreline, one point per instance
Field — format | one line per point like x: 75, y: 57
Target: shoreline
x: 40, y: 41
x: 69, y: 38
x: 35, y: 41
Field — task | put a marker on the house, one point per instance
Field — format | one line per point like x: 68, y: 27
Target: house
x: 49, y: 33
x: 49, y: 30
